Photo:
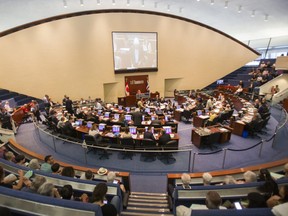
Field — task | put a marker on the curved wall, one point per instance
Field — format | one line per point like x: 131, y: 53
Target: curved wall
x: 74, y: 56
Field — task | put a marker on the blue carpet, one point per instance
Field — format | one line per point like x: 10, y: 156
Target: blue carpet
x: 42, y: 143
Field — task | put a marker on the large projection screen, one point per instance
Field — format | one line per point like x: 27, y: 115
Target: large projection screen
x: 135, y: 51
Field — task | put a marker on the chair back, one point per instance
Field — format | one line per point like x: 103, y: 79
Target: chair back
x: 90, y: 140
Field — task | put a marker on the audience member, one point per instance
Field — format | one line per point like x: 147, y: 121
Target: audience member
x: 269, y: 187
x: 256, y: 200
x: 35, y: 184
x: 49, y: 161
x: 249, y: 177
x: 9, y: 156
x: 111, y: 178
x: 34, y: 164
x: 55, y: 168
x: 207, y: 178
x: 279, y: 199
x: 48, y: 189
x: 88, y: 175
x: 186, y: 179
x: 98, y: 198
x: 229, y: 180
x: 18, y: 186
x: 68, y: 171
x: 20, y: 160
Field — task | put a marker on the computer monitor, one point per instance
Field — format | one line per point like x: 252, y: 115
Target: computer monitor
x: 116, y: 116
x: 220, y: 82
x: 199, y: 112
x: 116, y: 129
x: 89, y: 124
x: 77, y: 123
x: 147, y: 110
x: 133, y: 129
x: 127, y: 109
x: 167, y: 117
x: 167, y: 129
x: 178, y: 106
x: 101, y: 127
x: 99, y: 112
x: 107, y: 115
x: 128, y: 117
x: 120, y: 107
x: 153, y: 117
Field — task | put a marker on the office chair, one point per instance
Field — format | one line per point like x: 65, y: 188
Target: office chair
x: 187, y: 115
x: 210, y: 140
x: 127, y: 143
x: 168, y: 156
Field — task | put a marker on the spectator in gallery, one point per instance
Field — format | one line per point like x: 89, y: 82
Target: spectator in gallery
x: 279, y: 199
x: 49, y: 161
x: 213, y: 201
x: 88, y: 175
x: 186, y: 180
x: 9, y: 156
x: 68, y: 171
x: 56, y: 168
x: 20, y: 160
x: 35, y: 184
x: 34, y: 164
x: 111, y: 178
x: 48, y: 189
x: 248, y: 177
x: 18, y: 186
x: 207, y: 178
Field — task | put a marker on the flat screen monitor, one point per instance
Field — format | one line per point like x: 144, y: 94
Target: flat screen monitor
x: 178, y: 106
x: 89, y: 124
x: 199, y: 112
x: 133, y: 130
x: 101, y: 127
x: 107, y: 114
x: 116, y: 116
x: 128, y: 117
x: 135, y: 51
x: 120, y: 107
x: 147, y: 110
x: 168, y: 129
x: 167, y: 117
x: 127, y: 109
x: 153, y: 118
x: 77, y: 123
x: 99, y: 112
x: 220, y: 82
x: 116, y: 129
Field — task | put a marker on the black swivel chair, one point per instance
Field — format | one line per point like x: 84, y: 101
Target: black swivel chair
x: 129, y: 144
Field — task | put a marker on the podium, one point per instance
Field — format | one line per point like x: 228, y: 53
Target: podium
x: 129, y: 101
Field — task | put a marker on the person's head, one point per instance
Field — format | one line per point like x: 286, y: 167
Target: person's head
x: 89, y: 175
x: 250, y: 176
x: 68, y: 171
x: 256, y: 200
x: 20, y: 159
x: 264, y: 175
x: 66, y: 192
x: 46, y: 189
x: 99, y: 192
x: 55, y: 167
x: 127, y: 130
x: 286, y: 169
x: 49, y: 159
x: 213, y: 200
x: 207, y: 178
x: 94, y: 127
x: 34, y: 164
x: 229, y: 180
x: 186, y: 179
x: 9, y: 156
x: 37, y: 182
x: 111, y: 176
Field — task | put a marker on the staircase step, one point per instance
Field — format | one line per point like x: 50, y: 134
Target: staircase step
x: 150, y: 209
x: 144, y: 214
x: 147, y: 200
x: 152, y: 204
x: 149, y: 194
x: 148, y: 197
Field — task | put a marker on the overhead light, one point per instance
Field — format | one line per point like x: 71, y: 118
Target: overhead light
x: 253, y: 13
x: 239, y: 8
x: 212, y: 2
x: 226, y: 4
x: 198, y: 0
x: 98, y: 2
x: 65, y: 3
x: 113, y: 2
x: 155, y: 4
x: 128, y: 2
x: 266, y: 17
x: 81, y: 2
x: 168, y: 7
x: 143, y: 3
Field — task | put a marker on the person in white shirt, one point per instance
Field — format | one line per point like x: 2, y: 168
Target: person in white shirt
x: 94, y: 131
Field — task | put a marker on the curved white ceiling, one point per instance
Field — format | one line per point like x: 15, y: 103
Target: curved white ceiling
x: 235, y: 20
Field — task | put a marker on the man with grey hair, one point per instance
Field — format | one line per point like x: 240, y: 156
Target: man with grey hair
x: 111, y: 178
x: 36, y: 183
x: 207, y: 178
x: 186, y: 179
x: 249, y: 176
x: 48, y: 189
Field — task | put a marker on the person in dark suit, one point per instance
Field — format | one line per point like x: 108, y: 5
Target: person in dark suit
x: 68, y: 129
x: 69, y: 105
x: 137, y: 117
x: 164, y: 138
x: 149, y: 135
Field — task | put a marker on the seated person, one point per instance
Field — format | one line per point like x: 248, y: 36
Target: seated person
x: 68, y: 129
x: 111, y: 178
x: 207, y: 178
x: 239, y: 90
x: 279, y: 199
x: 18, y: 186
x: 249, y: 177
x: 126, y: 133
x: 164, y: 138
x: 35, y: 184
x: 212, y: 116
x: 186, y: 180
x: 98, y: 197
x: 213, y: 201
x: 49, y: 161
x: 88, y: 175
x: 48, y: 189
x: 94, y: 131
x: 149, y: 135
